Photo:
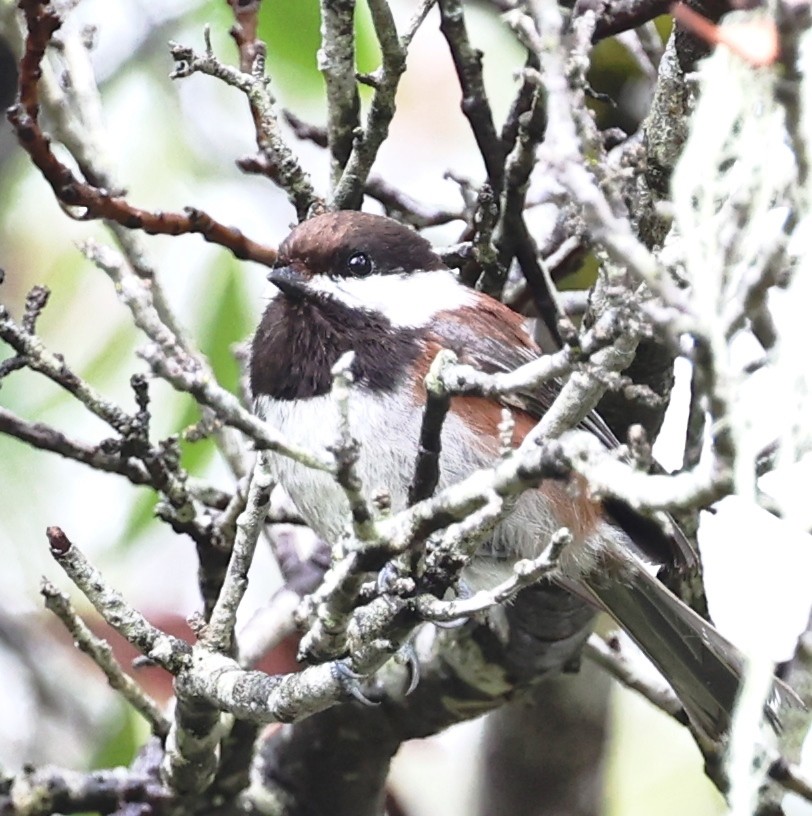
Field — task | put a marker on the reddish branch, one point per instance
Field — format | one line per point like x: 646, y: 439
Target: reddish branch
x: 42, y: 21
x: 244, y: 34
x: 244, y: 31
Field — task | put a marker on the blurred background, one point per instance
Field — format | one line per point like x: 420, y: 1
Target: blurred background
x: 173, y: 144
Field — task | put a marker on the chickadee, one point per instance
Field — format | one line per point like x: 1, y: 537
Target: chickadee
x: 361, y: 282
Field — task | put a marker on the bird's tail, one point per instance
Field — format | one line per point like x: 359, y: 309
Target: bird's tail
x: 704, y: 668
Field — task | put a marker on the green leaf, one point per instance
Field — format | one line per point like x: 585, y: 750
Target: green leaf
x: 582, y: 278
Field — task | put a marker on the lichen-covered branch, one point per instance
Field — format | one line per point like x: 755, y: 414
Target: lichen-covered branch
x: 101, y: 654
x: 219, y: 633
x: 348, y: 190
x: 287, y: 170
x: 336, y: 60
x: 47, y: 790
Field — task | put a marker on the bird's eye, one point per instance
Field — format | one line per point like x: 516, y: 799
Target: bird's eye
x: 359, y: 264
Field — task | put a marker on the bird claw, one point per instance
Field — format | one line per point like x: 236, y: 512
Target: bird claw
x: 391, y: 580
x: 408, y: 657
x: 350, y: 682
x: 452, y: 624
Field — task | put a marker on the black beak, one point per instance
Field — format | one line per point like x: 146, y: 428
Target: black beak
x: 291, y: 283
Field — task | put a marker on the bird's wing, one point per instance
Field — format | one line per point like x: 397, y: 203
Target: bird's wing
x: 493, y: 338
x: 703, y: 667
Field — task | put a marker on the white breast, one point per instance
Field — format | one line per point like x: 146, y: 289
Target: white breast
x: 388, y: 429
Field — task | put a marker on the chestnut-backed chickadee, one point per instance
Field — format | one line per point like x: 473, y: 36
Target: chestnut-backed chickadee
x: 360, y: 282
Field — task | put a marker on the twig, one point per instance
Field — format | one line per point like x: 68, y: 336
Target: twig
x: 274, y: 160
x: 525, y: 573
x: 464, y: 379
x: 609, y: 229
x: 615, y: 16
x: 707, y: 483
x: 287, y: 170
x: 73, y: 103
x: 336, y: 60
x: 406, y: 209
x: 306, y: 131
x: 206, y: 682
x: 160, y: 462
x: 244, y: 31
x: 610, y: 658
x: 791, y: 777
x: 348, y: 191
x: 746, y: 761
x: 417, y: 20
x: 331, y: 607
x: 219, y: 634
x: 583, y: 390
x: 101, y: 654
x: 427, y: 465
x: 475, y: 106
x: 32, y: 350
x: 229, y: 410
x: 92, y: 201
x: 346, y: 450
x: 484, y: 223
x: 44, y: 437
x: 167, y: 651
x: 139, y: 297
x: 48, y: 790
x: 514, y: 237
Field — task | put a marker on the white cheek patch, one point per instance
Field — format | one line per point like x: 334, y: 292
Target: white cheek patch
x: 406, y: 300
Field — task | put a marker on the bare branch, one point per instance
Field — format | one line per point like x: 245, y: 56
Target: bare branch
x: 336, y: 59
x: 44, y: 437
x: 615, y: 16
x: 101, y: 654
x: 348, y: 191
x: 429, y: 449
x: 525, y: 573
x: 255, y: 85
x: 611, y: 230
x: 219, y: 633
x: 475, y: 105
x: 94, y: 202
x: 139, y: 296
x: 47, y: 790
x: 169, y: 652
x: 244, y: 32
x: 610, y: 657
x: 32, y: 350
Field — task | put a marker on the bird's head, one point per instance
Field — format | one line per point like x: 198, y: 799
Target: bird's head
x: 365, y: 263
x: 349, y: 281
